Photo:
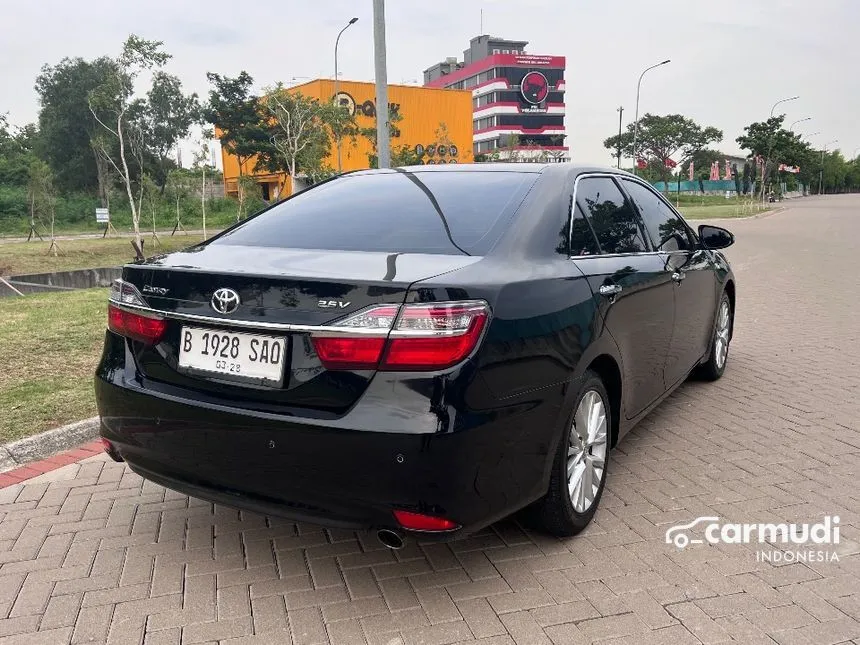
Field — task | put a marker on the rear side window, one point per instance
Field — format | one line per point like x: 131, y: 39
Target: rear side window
x: 615, y: 223
x: 393, y: 212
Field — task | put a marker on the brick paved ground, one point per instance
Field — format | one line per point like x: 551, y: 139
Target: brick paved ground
x: 91, y: 553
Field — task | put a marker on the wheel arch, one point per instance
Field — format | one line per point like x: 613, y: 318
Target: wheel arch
x: 606, y: 367
x: 730, y: 292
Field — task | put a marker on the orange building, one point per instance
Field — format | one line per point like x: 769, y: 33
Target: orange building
x: 426, y: 114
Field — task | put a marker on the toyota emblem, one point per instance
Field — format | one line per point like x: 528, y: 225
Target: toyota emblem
x: 225, y: 301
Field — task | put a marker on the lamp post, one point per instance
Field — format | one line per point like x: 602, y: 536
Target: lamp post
x: 821, y: 171
x: 794, y: 123
x: 352, y: 21
x: 620, y: 115
x: 770, y: 144
x: 636, y: 120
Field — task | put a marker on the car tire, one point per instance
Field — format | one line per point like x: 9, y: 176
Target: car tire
x: 557, y: 512
x: 714, y: 367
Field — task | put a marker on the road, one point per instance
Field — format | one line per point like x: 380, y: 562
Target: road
x: 91, y: 553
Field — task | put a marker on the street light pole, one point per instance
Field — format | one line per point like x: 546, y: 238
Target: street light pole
x: 636, y: 120
x: 794, y: 123
x: 383, y: 148
x: 620, y: 114
x: 336, y: 81
x: 770, y: 144
x: 821, y: 171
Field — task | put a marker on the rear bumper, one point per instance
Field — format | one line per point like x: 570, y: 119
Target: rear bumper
x: 333, y: 476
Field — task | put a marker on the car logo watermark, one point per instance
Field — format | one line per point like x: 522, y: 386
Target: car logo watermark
x: 780, y: 536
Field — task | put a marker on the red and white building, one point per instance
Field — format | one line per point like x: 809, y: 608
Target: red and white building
x: 514, y: 94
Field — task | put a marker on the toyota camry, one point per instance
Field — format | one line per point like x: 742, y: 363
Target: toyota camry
x: 420, y: 350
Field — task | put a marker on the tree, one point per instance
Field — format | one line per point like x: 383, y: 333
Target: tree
x: 42, y: 197
x: 201, y: 161
x: 776, y: 145
x: 236, y: 114
x: 301, y: 132
x: 112, y: 105
x: 662, y: 137
x: 66, y: 124
x: 168, y: 117
x: 16, y: 153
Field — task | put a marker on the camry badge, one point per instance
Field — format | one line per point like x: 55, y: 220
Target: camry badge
x: 225, y: 301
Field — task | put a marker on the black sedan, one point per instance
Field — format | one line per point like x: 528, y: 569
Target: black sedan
x: 419, y: 350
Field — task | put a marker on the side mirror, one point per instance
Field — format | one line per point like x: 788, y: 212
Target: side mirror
x: 714, y: 237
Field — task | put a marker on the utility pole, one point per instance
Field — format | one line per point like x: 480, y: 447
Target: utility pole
x: 383, y: 147
x: 620, y: 115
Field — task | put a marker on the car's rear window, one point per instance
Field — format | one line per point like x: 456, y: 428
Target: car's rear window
x: 396, y: 212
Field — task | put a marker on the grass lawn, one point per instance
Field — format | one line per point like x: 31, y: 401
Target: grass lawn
x: 32, y: 257
x: 49, y: 346
x: 730, y: 209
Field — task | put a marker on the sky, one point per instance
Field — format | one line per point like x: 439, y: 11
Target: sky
x: 731, y: 59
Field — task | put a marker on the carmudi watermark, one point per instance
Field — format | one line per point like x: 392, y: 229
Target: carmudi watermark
x: 786, y: 542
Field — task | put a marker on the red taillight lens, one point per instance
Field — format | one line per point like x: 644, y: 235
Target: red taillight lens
x: 421, y: 522
x: 434, y: 352
x: 141, y: 328
x: 349, y: 353
x: 422, y: 337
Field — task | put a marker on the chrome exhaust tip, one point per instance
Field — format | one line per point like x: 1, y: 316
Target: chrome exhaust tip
x: 391, y: 539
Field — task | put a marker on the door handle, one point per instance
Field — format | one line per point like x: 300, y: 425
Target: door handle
x: 678, y: 276
x: 610, y: 289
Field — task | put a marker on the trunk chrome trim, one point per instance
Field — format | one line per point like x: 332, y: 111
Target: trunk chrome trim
x: 319, y: 330
x: 245, y: 324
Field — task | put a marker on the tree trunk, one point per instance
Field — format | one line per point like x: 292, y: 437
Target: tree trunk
x: 203, y: 201
x: 135, y: 214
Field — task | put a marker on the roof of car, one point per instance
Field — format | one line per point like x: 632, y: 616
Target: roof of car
x: 500, y: 167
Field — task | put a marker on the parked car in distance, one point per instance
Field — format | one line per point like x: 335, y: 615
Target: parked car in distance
x: 421, y: 350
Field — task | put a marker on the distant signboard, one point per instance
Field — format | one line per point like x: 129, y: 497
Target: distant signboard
x: 102, y: 216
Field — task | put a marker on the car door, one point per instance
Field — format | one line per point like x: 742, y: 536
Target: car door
x: 636, y: 300
x: 692, y: 272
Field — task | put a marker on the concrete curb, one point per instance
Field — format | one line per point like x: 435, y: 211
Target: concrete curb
x: 45, y: 444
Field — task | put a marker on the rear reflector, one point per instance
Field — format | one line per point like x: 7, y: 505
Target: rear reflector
x: 421, y: 522
x: 419, y: 337
x: 141, y: 328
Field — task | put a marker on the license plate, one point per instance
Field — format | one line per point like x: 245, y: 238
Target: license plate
x: 236, y: 356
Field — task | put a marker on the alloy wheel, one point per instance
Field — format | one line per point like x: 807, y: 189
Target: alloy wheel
x: 721, y: 340
x: 586, y: 451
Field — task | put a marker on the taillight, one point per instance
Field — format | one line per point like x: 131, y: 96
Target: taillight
x: 434, y: 336
x: 135, y: 326
x: 419, y: 337
x: 421, y: 522
x: 146, y: 329
x: 349, y: 353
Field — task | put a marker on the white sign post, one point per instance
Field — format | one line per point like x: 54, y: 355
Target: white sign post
x: 103, y: 217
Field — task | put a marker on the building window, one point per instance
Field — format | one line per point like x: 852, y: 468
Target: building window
x: 485, y: 146
x: 485, y: 122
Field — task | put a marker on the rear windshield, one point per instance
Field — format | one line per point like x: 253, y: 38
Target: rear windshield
x: 397, y: 212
